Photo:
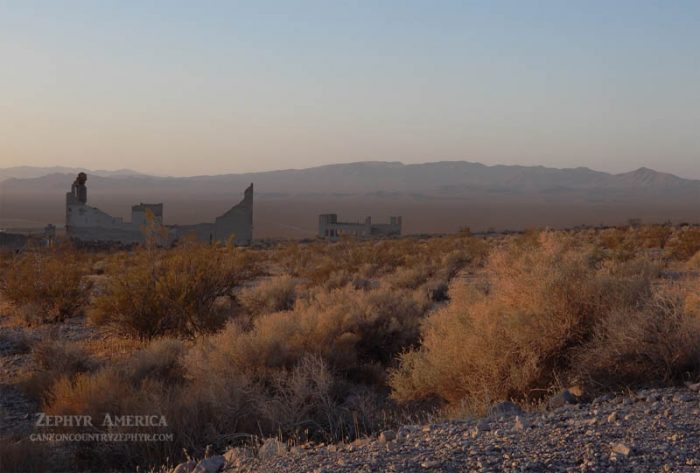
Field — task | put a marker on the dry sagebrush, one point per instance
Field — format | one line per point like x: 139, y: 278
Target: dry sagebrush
x: 553, y: 310
x: 46, y: 284
x: 171, y: 292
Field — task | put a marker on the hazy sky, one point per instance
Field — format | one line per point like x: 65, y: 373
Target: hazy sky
x: 207, y: 87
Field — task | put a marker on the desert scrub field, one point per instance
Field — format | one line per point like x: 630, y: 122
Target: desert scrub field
x: 334, y: 341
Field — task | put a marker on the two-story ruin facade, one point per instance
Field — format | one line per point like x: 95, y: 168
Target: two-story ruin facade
x: 90, y: 224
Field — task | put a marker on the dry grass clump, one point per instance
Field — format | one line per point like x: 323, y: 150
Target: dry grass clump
x: 273, y: 295
x: 46, y: 285
x: 546, y: 306
x: 171, y: 292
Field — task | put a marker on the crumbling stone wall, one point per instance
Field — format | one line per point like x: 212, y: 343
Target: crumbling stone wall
x: 330, y: 228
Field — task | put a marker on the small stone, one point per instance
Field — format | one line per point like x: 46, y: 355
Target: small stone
x: 483, y: 425
x: 621, y: 449
x: 211, y: 464
x: 387, y: 436
x: 430, y: 464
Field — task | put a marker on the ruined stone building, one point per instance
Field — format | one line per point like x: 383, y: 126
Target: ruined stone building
x: 90, y: 224
x: 330, y: 228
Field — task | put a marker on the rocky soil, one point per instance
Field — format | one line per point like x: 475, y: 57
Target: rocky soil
x: 649, y: 430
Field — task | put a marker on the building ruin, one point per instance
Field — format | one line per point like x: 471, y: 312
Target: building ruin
x: 90, y: 224
x: 331, y: 229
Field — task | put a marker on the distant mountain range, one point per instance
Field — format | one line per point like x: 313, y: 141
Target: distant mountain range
x: 36, y: 194
x: 444, y: 179
x: 28, y: 172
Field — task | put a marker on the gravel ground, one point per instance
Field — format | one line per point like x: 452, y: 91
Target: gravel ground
x: 650, y: 430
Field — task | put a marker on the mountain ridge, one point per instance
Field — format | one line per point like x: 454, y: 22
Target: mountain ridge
x: 445, y: 178
x: 28, y: 172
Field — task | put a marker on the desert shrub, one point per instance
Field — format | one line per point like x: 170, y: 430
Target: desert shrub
x: 656, y: 344
x: 54, y: 360
x: 299, y: 399
x: 46, y: 284
x: 297, y: 372
x: 274, y: 295
x: 348, y: 328
x: 685, y: 243
x: 147, y: 383
x: 153, y: 369
x: 171, y: 292
x: 544, y: 301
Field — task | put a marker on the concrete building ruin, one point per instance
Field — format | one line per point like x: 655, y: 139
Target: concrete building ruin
x: 331, y: 229
x: 90, y: 224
